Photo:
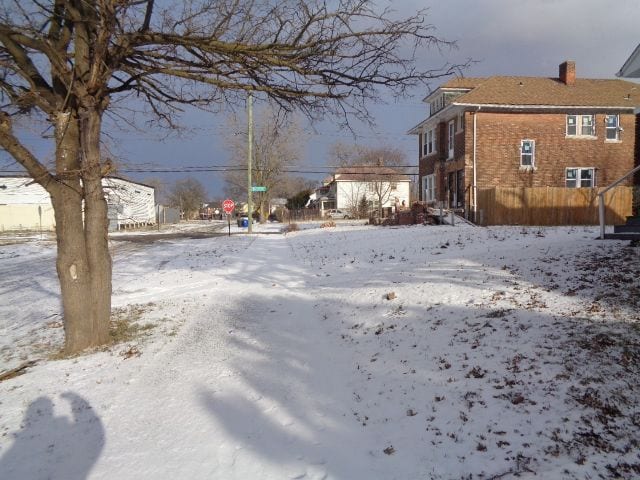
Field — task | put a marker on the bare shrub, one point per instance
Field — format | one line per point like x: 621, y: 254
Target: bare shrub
x: 292, y: 227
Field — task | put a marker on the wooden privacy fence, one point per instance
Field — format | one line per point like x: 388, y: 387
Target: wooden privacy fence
x: 551, y: 206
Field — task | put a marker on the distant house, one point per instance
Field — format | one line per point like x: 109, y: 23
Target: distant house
x: 130, y: 203
x: 322, y: 199
x: 371, y: 185
x: 510, y: 132
x: 25, y: 205
x: 276, y: 203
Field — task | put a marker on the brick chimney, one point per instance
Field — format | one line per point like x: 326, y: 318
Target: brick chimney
x: 568, y: 73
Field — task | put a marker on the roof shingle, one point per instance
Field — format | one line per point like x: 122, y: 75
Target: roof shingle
x: 539, y: 91
x: 368, y: 173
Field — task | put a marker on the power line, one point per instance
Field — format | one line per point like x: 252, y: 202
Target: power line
x: 320, y: 170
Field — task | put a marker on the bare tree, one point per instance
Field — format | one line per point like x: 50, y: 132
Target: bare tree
x: 292, y: 185
x: 347, y: 155
x: 159, y: 189
x: 188, y: 195
x: 387, y: 160
x: 375, y: 171
x: 354, y: 197
x: 277, y: 144
x: 382, y: 184
x: 68, y: 62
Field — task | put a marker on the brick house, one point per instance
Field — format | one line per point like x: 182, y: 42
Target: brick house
x: 525, y: 132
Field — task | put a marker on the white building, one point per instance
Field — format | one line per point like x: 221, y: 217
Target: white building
x: 25, y: 205
x: 130, y: 203
x: 377, y: 185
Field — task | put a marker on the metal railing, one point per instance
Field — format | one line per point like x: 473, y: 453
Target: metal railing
x: 601, y: 207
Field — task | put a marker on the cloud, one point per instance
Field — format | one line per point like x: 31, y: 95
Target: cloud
x: 524, y: 37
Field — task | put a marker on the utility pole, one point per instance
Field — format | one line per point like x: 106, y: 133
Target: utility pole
x: 249, y: 161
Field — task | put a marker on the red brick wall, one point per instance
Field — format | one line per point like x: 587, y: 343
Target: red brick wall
x: 437, y: 162
x: 458, y: 162
x: 498, y: 149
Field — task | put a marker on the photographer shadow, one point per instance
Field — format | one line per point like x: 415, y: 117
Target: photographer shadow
x: 54, y: 447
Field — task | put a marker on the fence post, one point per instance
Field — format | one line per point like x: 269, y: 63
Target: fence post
x: 601, y: 214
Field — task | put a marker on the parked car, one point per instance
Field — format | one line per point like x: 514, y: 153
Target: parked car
x: 336, y: 213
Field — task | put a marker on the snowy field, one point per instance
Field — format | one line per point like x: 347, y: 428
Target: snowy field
x: 346, y: 353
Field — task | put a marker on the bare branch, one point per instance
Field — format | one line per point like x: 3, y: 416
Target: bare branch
x: 10, y: 143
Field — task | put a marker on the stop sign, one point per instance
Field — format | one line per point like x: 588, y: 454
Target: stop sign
x: 228, y: 206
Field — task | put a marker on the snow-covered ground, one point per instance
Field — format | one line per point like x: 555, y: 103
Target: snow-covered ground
x: 348, y: 353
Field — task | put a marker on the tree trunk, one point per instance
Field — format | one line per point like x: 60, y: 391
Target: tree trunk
x: 263, y: 211
x: 96, y: 228
x: 83, y: 263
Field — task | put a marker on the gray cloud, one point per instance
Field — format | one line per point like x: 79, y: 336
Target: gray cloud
x: 531, y: 37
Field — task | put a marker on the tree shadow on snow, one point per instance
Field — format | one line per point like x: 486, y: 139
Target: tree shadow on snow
x: 437, y: 393
x: 294, y: 407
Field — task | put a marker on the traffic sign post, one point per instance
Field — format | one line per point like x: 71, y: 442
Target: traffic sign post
x: 228, y: 207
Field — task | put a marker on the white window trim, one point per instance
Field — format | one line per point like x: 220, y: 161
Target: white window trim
x: 578, y: 177
x: 451, y: 139
x: 434, y: 140
x: 579, y: 133
x: 429, y: 187
x: 616, y: 128
x: 429, y: 147
x: 533, y: 154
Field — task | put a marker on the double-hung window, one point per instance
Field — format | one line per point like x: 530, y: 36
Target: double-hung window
x: 527, y: 153
x: 452, y: 135
x: 580, y: 126
x: 580, y: 177
x: 612, y: 127
x: 429, y: 187
x: 429, y: 142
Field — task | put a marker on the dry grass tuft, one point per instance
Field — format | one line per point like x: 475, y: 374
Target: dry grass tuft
x: 292, y: 227
x: 124, y: 327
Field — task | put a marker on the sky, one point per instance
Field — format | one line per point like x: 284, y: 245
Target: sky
x: 502, y: 37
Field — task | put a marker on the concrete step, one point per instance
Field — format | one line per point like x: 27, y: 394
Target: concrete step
x: 622, y: 236
x: 626, y: 228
